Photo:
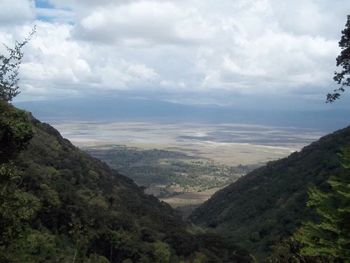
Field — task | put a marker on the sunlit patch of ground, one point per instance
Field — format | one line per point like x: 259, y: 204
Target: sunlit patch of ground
x: 187, y: 202
x: 230, y: 144
x: 190, y: 198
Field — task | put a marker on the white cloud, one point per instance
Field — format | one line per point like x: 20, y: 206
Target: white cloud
x: 273, y: 62
x: 144, y: 23
x: 243, y: 46
x: 312, y: 17
x: 142, y: 72
x: 16, y: 12
x: 55, y: 62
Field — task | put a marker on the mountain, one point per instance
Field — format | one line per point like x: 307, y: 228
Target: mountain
x: 267, y: 205
x: 125, y: 108
x: 59, y: 204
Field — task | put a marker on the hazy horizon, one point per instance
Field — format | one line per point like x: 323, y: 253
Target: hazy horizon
x: 251, y: 57
x: 135, y: 109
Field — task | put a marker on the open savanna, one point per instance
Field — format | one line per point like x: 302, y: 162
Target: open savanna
x: 184, y: 164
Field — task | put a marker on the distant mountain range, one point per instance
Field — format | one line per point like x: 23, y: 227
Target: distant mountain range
x: 134, y: 109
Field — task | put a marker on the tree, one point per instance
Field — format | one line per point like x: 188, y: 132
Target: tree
x: 9, y: 66
x: 15, y: 131
x: 330, y: 235
x: 17, y: 206
x: 343, y: 60
x: 161, y: 252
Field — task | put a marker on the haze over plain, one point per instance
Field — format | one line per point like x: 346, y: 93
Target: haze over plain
x: 253, y: 56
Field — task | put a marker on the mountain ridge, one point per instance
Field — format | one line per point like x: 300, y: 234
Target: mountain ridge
x: 77, y: 209
x: 134, y: 109
x: 267, y: 205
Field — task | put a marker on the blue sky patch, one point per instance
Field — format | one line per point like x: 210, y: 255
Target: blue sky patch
x: 43, y: 4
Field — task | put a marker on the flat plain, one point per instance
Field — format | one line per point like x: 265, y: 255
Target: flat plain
x: 184, y: 163
x: 231, y: 144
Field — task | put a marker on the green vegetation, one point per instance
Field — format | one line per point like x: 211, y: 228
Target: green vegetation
x: 9, y: 66
x: 163, y: 171
x: 329, y: 235
x: 58, y: 204
x: 266, y: 206
x: 288, y: 250
x: 296, y: 209
x: 343, y: 60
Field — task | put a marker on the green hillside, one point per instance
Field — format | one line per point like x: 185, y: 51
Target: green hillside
x: 267, y: 205
x: 58, y: 204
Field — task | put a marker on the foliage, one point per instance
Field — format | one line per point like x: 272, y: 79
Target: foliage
x: 288, y: 250
x: 9, y: 66
x: 35, y: 246
x: 161, y: 252
x: 329, y: 235
x: 160, y: 171
x: 15, y: 131
x: 61, y: 205
x: 343, y: 60
x: 269, y: 204
x: 16, y: 205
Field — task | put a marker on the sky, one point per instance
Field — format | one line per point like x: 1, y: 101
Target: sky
x: 243, y: 53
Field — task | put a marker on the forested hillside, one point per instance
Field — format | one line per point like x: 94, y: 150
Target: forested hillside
x: 269, y: 204
x: 58, y: 204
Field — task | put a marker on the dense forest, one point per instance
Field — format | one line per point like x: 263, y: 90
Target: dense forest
x: 266, y: 207
x: 58, y: 204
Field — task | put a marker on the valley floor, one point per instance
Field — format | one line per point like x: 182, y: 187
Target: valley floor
x: 184, y: 164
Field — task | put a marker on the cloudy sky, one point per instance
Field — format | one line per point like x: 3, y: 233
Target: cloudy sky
x: 193, y: 51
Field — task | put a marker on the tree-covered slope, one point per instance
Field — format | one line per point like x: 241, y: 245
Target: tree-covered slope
x: 268, y: 204
x: 58, y: 204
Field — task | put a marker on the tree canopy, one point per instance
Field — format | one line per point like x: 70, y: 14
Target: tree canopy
x: 330, y: 235
x: 343, y: 60
x: 9, y: 66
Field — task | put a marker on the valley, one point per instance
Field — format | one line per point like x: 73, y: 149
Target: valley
x: 184, y: 164
x: 180, y: 179
x: 174, y: 131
